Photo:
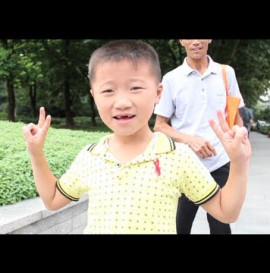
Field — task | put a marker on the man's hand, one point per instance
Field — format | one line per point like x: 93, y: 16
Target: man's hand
x: 203, y: 148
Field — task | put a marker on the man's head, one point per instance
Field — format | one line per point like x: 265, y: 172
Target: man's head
x: 196, y: 49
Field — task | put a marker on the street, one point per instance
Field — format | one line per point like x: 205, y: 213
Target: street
x: 255, y: 214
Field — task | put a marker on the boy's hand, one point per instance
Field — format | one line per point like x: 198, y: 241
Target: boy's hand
x: 235, y: 140
x: 35, y: 135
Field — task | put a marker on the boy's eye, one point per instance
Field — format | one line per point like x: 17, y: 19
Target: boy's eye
x: 107, y: 91
x: 135, y: 88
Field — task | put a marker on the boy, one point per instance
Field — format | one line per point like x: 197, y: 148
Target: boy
x: 134, y: 177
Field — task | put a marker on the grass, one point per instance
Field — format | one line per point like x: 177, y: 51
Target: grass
x: 61, y: 147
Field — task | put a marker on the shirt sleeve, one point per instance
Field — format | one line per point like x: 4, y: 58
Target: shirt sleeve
x: 198, y: 185
x: 74, y: 183
x: 166, y: 106
x: 250, y: 114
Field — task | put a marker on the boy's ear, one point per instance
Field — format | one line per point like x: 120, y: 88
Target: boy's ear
x: 159, y: 92
x: 91, y: 92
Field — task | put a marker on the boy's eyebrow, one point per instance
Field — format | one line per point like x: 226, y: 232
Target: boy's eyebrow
x: 131, y: 81
x: 137, y: 80
x: 105, y: 82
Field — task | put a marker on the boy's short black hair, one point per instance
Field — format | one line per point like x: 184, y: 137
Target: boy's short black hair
x: 133, y: 50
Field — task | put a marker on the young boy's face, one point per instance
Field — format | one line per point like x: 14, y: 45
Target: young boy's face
x: 125, y: 94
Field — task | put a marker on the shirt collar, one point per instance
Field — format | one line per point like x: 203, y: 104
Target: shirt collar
x: 212, y: 67
x: 158, y: 145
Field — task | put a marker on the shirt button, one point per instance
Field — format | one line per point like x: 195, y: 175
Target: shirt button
x: 118, y: 164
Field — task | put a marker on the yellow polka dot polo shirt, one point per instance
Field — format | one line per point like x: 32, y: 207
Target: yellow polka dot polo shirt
x: 139, y: 197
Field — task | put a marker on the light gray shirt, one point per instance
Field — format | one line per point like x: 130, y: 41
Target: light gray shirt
x: 190, y: 99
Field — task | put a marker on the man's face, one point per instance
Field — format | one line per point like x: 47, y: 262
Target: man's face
x: 195, y: 49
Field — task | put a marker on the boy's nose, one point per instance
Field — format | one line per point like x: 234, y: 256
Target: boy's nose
x: 122, y: 102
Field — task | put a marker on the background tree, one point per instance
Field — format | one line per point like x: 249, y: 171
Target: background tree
x: 8, y: 72
x: 31, y: 62
x: 251, y: 61
x: 54, y: 72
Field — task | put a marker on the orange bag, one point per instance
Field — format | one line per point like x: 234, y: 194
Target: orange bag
x: 232, y: 103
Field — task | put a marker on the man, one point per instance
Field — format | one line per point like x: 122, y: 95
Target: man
x: 193, y: 92
x: 247, y: 117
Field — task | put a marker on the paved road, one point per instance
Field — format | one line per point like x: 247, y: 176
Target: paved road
x: 255, y: 214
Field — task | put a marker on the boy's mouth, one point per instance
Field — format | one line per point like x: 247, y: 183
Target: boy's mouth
x: 123, y: 117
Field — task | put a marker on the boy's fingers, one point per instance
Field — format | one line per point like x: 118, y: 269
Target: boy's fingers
x: 222, y: 127
x: 26, y: 131
x: 47, y: 124
x: 41, y: 119
x: 240, y: 134
x: 29, y: 130
x: 222, y: 121
x: 215, y: 128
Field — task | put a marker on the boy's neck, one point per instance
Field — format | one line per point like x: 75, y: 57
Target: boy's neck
x: 126, y: 148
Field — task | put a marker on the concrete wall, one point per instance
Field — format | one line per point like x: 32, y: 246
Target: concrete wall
x: 31, y: 217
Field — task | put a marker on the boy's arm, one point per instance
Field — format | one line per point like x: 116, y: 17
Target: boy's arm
x: 203, y: 148
x: 45, y: 181
x: 227, y: 203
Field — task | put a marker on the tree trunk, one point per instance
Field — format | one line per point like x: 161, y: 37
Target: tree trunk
x: 69, y: 117
x: 33, y: 96
x: 11, y: 100
x: 235, y: 48
x: 68, y: 101
x: 93, y: 111
x: 10, y: 89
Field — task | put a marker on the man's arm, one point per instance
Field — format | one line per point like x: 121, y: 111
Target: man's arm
x: 227, y: 203
x: 203, y: 148
x: 251, y: 117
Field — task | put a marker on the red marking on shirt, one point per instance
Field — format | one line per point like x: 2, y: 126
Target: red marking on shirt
x: 156, y: 163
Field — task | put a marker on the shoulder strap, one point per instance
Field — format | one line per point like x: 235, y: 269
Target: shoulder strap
x: 225, y: 79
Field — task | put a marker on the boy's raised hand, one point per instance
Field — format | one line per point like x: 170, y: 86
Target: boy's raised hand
x: 235, y: 140
x: 35, y: 135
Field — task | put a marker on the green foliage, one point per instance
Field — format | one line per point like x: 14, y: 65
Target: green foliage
x: 42, y: 71
x: 171, y: 53
x: 264, y: 129
x: 266, y: 114
x: 3, y: 116
x: 251, y: 61
x: 263, y: 114
x: 61, y: 147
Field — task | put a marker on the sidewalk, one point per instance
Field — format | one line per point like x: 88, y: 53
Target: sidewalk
x: 255, y: 214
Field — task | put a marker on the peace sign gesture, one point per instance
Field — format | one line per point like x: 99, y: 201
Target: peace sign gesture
x: 35, y: 135
x: 235, y: 141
